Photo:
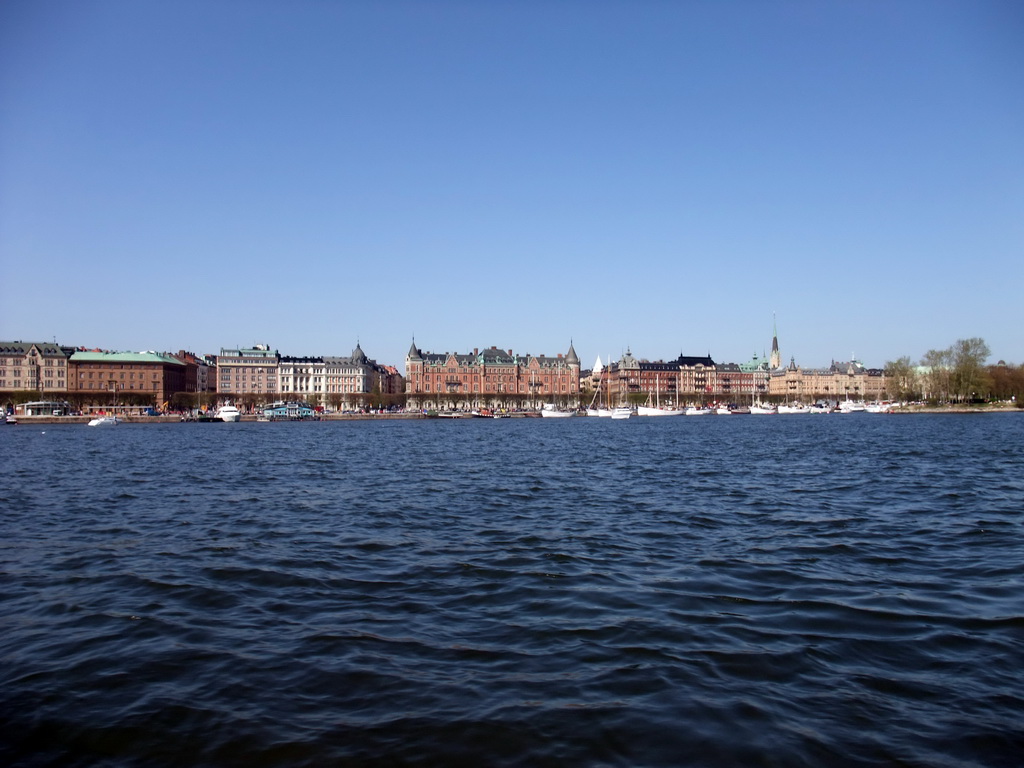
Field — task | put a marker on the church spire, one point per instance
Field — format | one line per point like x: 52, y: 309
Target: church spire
x: 776, y: 359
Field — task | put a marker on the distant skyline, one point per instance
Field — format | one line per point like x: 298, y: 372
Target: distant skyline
x: 655, y: 176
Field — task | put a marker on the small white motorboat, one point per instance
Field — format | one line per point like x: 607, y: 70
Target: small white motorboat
x: 105, y: 421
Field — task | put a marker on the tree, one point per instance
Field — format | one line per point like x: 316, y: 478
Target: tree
x: 1007, y: 382
x: 901, y: 379
x: 937, y: 377
x: 969, y: 378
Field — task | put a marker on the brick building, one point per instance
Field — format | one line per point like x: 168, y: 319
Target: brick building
x: 490, y: 377
x: 685, y: 379
x: 125, y: 377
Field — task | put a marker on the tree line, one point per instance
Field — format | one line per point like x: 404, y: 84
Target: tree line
x: 957, y: 374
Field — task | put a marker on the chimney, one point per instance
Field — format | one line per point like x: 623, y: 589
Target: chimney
x: 476, y: 351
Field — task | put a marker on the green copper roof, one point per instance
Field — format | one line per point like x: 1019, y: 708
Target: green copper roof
x: 124, y: 357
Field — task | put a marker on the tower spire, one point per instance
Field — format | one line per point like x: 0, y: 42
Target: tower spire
x: 776, y: 359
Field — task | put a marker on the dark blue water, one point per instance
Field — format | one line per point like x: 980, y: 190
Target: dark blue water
x: 756, y: 591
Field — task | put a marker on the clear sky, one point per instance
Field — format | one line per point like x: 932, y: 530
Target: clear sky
x: 662, y: 176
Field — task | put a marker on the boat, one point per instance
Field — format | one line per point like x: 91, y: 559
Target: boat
x: 105, y: 421
x: 622, y: 412
x: 761, y: 409
x: 229, y: 413
x: 820, y: 408
x: 549, y: 411
x: 288, y: 411
x: 880, y: 407
x: 791, y: 408
x: 596, y: 408
x: 11, y: 419
x: 852, y: 406
x: 695, y: 411
x: 656, y: 409
x: 653, y: 410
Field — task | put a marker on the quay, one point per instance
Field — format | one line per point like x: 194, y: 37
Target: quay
x: 176, y: 419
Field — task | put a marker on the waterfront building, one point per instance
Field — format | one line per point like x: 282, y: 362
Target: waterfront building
x: 34, y: 366
x: 336, y: 382
x: 98, y: 378
x: 490, y: 376
x: 247, y: 371
x: 201, y: 371
x: 839, y: 381
x: 673, y: 382
x: 301, y: 376
x: 392, y: 382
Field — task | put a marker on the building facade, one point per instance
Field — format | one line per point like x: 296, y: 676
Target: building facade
x: 840, y: 381
x: 675, y: 382
x: 335, y: 382
x: 125, y: 377
x: 34, y: 366
x: 251, y: 371
x: 490, y: 377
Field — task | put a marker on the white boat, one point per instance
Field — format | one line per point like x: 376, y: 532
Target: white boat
x: 694, y: 411
x: 649, y: 410
x: 820, y: 408
x: 605, y: 413
x: 105, y: 421
x: 657, y: 409
x: 794, y: 408
x: 763, y: 410
x: 622, y: 412
x: 228, y: 413
x: 723, y: 410
x: 852, y: 406
x: 880, y: 407
x: 550, y: 412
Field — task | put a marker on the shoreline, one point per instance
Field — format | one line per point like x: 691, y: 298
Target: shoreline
x: 905, y: 410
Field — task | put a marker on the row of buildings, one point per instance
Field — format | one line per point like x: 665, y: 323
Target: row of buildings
x: 179, y: 380
x: 491, y: 376
x: 503, y: 378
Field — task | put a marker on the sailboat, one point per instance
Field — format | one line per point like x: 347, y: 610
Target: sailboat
x: 603, y: 412
x: 656, y: 409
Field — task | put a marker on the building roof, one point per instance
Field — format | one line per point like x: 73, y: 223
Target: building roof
x: 260, y: 350
x: 125, y: 357
x: 46, y: 349
x: 494, y: 356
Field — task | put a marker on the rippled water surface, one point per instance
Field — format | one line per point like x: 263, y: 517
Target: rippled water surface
x: 783, y: 591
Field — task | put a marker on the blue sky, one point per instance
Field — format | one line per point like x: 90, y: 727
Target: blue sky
x: 662, y: 176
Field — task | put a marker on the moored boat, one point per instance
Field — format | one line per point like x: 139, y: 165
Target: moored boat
x: 229, y: 413
x: 622, y: 412
x: 105, y: 421
x: 696, y: 411
x: 549, y: 411
x: 792, y: 408
x: 648, y: 410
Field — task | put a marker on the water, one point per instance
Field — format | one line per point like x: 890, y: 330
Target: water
x: 757, y: 591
